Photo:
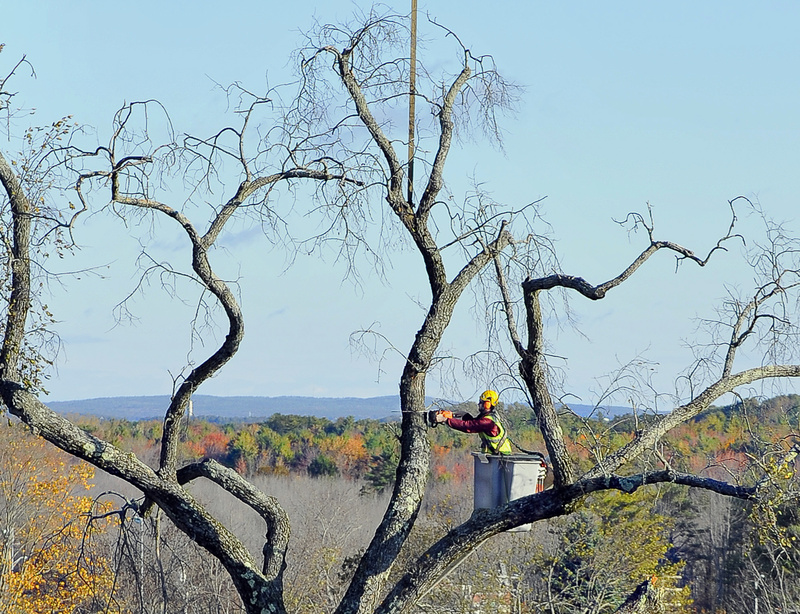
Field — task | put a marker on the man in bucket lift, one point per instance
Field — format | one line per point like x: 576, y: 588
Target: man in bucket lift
x: 494, y: 439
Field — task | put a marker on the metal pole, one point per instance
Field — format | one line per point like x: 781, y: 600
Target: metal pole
x: 412, y: 85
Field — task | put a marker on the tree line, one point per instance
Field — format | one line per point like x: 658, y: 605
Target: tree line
x: 717, y: 440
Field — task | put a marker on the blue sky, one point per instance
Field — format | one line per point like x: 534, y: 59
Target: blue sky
x: 684, y: 105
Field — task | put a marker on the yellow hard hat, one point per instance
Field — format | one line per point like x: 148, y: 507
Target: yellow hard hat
x: 491, y: 396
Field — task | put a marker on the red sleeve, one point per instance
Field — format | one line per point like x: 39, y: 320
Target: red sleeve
x: 475, y: 425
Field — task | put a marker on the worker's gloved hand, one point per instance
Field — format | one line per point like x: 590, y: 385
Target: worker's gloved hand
x: 442, y: 416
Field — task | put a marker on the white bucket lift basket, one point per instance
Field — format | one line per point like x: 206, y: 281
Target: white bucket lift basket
x: 499, y: 479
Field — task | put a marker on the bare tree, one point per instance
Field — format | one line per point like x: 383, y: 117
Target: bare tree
x: 127, y: 166
x: 372, y: 83
x: 766, y: 319
x: 339, y: 134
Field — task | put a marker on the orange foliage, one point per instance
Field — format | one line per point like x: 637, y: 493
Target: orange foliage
x: 354, y: 449
x: 462, y: 472
x: 215, y: 444
x: 348, y: 451
x: 451, y: 465
x: 441, y: 472
x: 194, y: 449
x: 439, y: 451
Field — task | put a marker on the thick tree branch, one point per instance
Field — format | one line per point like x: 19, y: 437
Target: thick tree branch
x: 648, y: 437
x: 277, y: 537
x: 436, y: 177
x: 599, y: 291
x: 449, y: 551
x: 533, y: 364
x: 396, y: 174
x: 532, y: 369
x: 19, y: 254
x: 175, y: 501
x: 579, y: 284
x: 212, y: 364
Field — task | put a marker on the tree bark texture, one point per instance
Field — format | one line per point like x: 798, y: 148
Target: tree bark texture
x: 532, y: 370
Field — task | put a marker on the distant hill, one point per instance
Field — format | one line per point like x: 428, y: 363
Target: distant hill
x: 254, y: 409
x: 235, y: 408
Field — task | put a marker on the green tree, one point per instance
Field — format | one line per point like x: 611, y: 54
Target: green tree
x: 243, y: 449
x: 590, y: 570
x: 382, y: 472
x: 322, y: 466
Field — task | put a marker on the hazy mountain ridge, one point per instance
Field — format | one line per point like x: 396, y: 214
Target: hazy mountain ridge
x: 251, y: 408
x: 239, y: 408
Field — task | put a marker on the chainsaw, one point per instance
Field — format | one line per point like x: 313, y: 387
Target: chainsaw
x: 430, y: 418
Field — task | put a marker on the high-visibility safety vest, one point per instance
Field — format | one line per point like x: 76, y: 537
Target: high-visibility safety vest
x: 498, y: 444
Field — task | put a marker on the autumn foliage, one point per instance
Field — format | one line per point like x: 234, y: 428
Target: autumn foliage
x: 49, y: 561
x: 52, y: 562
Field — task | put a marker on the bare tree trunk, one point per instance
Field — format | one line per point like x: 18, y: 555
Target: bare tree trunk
x: 532, y: 370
